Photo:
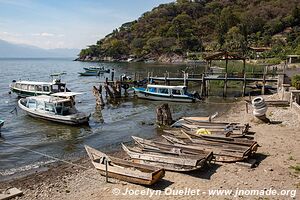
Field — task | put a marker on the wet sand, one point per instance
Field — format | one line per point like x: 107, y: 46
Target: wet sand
x: 279, y: 151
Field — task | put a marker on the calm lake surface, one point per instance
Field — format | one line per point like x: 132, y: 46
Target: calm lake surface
x: 116, y: 123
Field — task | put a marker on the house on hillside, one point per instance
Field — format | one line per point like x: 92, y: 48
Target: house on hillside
x: 259, y: 50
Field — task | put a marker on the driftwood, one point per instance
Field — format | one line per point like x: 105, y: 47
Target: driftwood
x: 163, y: 115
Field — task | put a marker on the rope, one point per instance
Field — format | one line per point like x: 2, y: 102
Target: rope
x: 15, y: 109
x: 46, y: 155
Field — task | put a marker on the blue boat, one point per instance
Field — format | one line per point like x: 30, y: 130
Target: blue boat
x: 166, y: 93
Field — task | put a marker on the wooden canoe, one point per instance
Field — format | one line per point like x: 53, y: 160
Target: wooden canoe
x: 192, y: 124
x: 220, y: 133
x: 172, y: 162
x: 224, y: 150
x: 196, y: 119
x: 124, y: 170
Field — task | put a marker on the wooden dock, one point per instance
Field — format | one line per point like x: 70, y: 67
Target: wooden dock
x: 204, y: 80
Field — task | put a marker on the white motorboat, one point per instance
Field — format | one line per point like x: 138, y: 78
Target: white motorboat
x: 58, y: 107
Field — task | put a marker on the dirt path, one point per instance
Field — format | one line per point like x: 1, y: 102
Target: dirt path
x: 278, y: 154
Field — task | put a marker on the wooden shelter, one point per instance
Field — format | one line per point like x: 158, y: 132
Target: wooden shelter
x: 224, y: 55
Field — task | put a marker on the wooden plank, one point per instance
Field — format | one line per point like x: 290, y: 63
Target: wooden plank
x: 10, y: 193
x: 249, y: 163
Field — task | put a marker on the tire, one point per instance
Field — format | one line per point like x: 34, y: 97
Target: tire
x: 258, y: 101
x: 261, y: 105
x: 260, y: 112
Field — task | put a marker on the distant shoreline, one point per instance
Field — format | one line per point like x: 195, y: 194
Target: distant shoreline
x: 35, y: 58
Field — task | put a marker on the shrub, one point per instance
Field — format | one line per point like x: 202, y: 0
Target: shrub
x: 296, y: 81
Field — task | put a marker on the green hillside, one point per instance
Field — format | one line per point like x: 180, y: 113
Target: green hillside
x: 184, y: 26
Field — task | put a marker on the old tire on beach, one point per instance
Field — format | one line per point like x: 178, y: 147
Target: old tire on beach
x: 260, y: 112
x: 258, y: 102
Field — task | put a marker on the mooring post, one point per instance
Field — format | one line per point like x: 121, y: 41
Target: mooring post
x: 202, y: 88
x: 264, y: 84
x: 207, y: 87
x: 134, y: 76
x: 165, y: 74
x: 106, y: 84
x: 225, y: 86
x: 119, y: 87
x: 112, y: 74
x: 148, y: 77
x: 244, y: 85
x: 163, y: 115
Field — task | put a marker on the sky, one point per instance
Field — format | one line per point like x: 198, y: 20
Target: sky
x: 66, y: 23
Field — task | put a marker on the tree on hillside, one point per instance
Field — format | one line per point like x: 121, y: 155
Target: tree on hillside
x: 235, y: 41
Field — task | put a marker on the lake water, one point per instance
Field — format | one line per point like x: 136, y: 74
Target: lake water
x: 106, y: 130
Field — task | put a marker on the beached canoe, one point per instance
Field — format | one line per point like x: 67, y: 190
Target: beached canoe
x: 124, y: 170
x: 225, y: 149
x: 172, y: 159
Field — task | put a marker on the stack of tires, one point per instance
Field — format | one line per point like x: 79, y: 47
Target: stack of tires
x: 259, y: 107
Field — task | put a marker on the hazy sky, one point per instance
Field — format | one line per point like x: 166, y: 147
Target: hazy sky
x: 66, y: 23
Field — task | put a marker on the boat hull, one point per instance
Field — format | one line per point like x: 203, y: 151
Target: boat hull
x: 23, y: 93
x: 125, y: 170
x: 179, y: 163
x: 88, y: 73
x: 52, y: 117
x: 159, y: 97
x: 96, y: 70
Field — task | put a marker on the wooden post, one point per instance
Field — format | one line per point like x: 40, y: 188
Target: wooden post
x: 264, y: 84
x: 202, y: 89
x: 134, y: 76
x: 226, y: 64
x: 119, y: 89
x: 225, y: 86
x: 166, y: 83
x: 148, y: 77
x: 244, y: 85
x: 207, y: 86
x: 112, y: 74
x: 244, y: 66
x: 106, y: 170
x: 163, y: 115
x: 98, y: 94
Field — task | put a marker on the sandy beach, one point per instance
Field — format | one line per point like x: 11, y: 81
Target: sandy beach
x: 277, y: 158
